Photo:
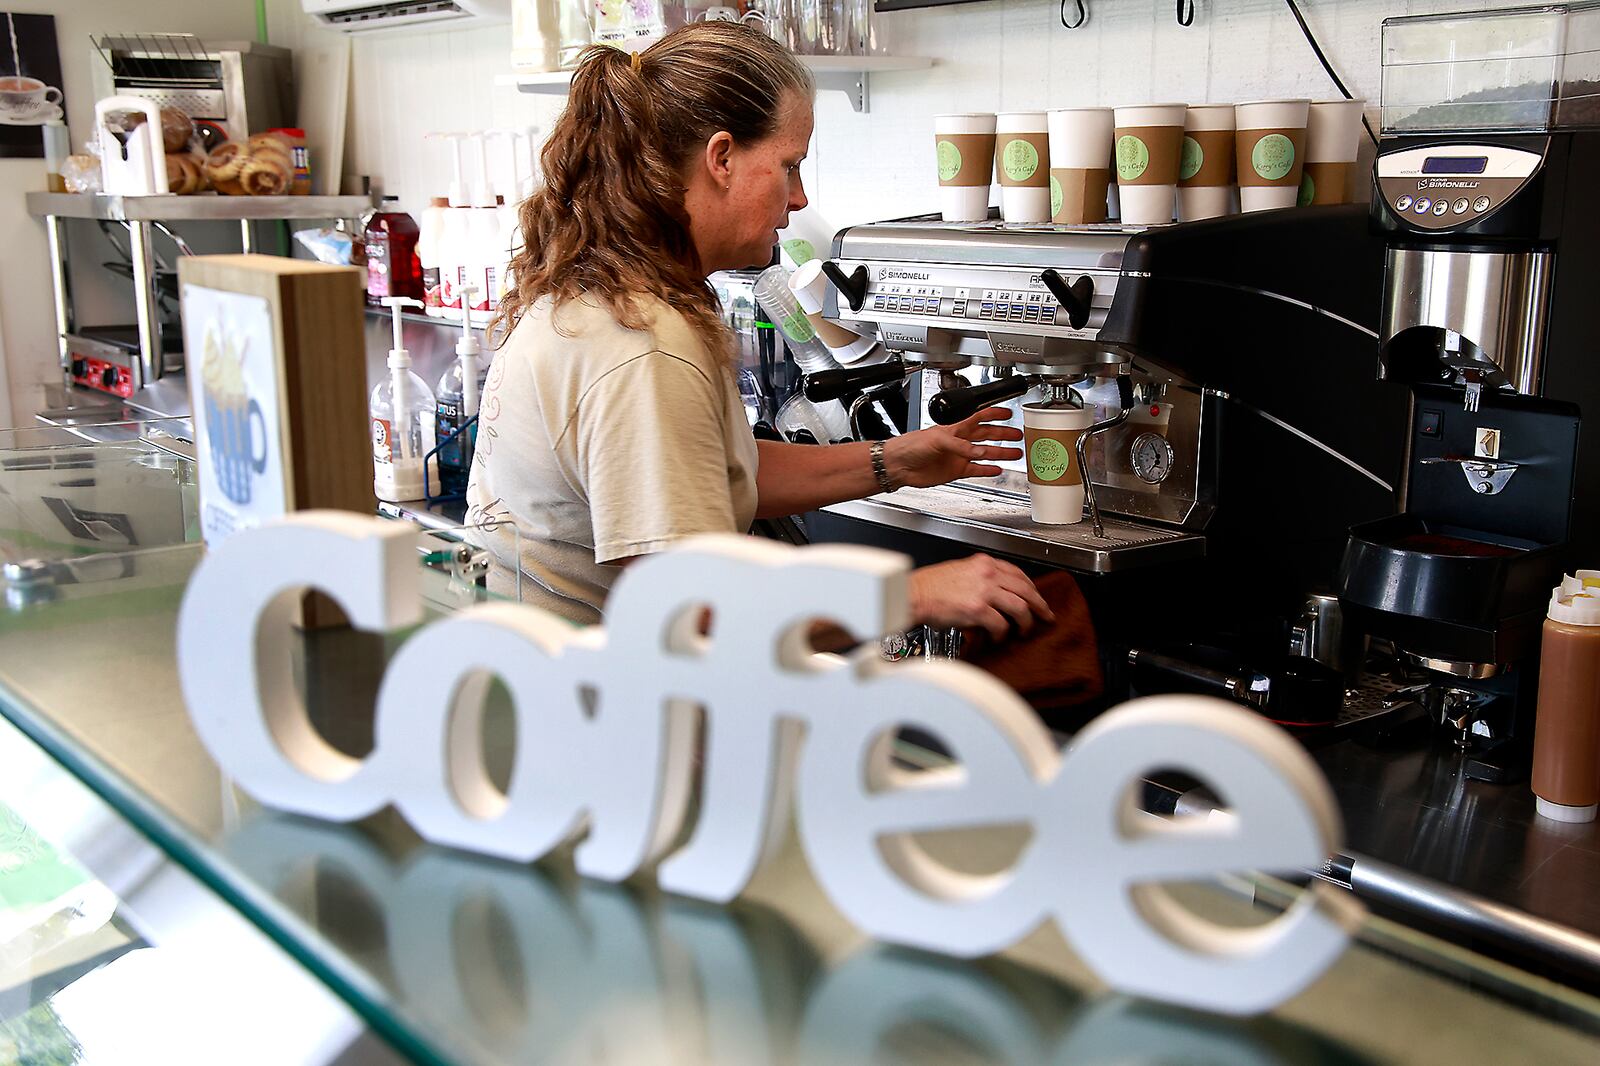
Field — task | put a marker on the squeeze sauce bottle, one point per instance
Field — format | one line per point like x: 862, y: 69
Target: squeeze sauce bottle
x: 459, y: 390
x: 1566, y: 733
x: 402, y: 422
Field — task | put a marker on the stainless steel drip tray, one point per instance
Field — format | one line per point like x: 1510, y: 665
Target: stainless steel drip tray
x: 1001, y: 524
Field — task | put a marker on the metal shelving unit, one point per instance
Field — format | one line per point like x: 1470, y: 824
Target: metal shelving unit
x: 144, y: 216
x: 846, y: 74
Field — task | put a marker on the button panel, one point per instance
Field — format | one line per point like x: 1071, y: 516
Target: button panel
x: 102, y: 376
x: 1024, y: 306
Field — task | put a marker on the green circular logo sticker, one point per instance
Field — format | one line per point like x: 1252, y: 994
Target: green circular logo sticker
x: 1020, y: 160
x: 798, y: 327
x: 1308, y: 190
x: 1048, y: 458
x: 1273, y: 157
x: 1133, y: 158
x: 949, y: 160
x: 1056, y: 196
x: 800, y: 250
x: 1194, y: 157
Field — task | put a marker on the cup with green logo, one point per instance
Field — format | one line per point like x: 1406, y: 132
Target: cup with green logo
x: 1147, y: 153
x: 1022, y: 165
x: 1080, y: 146
x: 964, y: 151
x: 1050, y: 432
x: 1270, y: 149
x: 1206, y: 167
x: 1333, y: 140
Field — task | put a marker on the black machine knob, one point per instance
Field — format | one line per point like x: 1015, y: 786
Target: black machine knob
x: 952, y: 405
x: 80, y: 367
x: 852, y: 286
x: 108, y: 377
x: 1075, y: 297
x: 833, y: 384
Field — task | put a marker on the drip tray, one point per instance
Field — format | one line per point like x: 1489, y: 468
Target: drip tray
x: 1001, y: 524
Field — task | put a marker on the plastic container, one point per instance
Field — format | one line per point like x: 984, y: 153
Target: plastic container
x: 460, y: 388
x: 1530, y: 68
x: 778, y: 301
x: 1566, y: 735
x: 393, y: 268
x: 535, y: 35
x: 430, y: 237
x: 402, y: 411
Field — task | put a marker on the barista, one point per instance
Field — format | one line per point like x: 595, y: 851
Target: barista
x: 611, y: 425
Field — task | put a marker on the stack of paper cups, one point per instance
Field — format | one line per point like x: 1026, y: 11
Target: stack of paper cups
x: 810, y: 288
x: 1080, y: 155
x: 1022, y: 165
x: 1333, y: 137
x: 965, y: 145
x: 1270, y: 139
x: 1149, y: 144
x: 1205, y: 171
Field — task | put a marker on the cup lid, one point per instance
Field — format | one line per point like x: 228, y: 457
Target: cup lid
x: 1576, y: 601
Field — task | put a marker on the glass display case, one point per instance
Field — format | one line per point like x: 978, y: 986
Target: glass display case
x: 1507, y: 70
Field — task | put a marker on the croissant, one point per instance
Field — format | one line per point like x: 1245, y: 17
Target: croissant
x: 184, y: 174
x: 263, y: 175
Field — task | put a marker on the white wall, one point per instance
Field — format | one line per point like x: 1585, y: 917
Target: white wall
x: 28, y: 349
x: 990, y: 56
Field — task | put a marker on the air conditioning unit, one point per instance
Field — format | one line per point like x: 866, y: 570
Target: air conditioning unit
x: 374, y: 16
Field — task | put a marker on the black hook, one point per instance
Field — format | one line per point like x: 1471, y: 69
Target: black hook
x: 853, y: 286
x: 1185, y: 12
x: 1083, y: 15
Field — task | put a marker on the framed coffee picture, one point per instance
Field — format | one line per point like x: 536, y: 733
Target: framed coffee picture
x: 30, y: 80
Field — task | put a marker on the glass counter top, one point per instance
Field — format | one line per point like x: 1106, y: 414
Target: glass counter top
x: 459, y: 959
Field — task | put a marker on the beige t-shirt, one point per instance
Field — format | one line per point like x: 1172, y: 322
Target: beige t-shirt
x: 596, y: 443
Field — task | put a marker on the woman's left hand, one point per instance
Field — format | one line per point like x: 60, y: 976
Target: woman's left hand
x: 940, y: 454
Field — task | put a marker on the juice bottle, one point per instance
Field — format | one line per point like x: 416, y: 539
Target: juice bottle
x: 1566, y: 733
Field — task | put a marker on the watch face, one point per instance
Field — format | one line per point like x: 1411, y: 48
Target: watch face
x: 1151, y: 458
x: 896, y: 647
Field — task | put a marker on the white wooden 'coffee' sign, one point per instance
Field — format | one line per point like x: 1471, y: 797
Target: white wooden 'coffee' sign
x: 605, y: 727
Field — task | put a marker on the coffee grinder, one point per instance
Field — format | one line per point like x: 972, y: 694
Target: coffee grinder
x: 1486, y: 198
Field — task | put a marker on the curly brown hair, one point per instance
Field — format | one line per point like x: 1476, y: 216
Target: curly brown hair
x: 610, y: 220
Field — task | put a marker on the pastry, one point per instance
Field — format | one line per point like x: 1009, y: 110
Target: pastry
x: 264, y: 175
x: 223, y: 167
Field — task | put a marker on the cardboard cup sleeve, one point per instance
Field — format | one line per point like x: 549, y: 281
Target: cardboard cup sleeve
x: 1326, y: 183
x: 1270, y: 157
x: 1022, y: 160
x: 1148, y: 155
x: 1208, y: 159
x: 965, y: 159
x: 1078, y: 196
x: 1054, y: 462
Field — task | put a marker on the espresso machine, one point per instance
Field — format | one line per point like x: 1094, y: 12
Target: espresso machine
x: 1240, y: 427
x: 1484, y: 198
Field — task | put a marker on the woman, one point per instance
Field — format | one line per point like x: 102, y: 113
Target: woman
x: 611, y: 421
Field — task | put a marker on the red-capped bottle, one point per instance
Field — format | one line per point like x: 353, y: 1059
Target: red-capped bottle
x: 393, y: 267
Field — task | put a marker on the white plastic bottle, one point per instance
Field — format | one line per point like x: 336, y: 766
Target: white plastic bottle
x: 431, y: 225
x: 453, y: 235
x: 459, y: 390
x: 403, y: 415
x: 486, y: 259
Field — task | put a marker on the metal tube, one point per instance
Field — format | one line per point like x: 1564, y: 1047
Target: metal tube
x: 144, y: 300
x: 247, y: 242
x: 60, y: 286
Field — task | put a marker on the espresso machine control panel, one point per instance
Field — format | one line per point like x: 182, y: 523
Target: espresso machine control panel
x: 1454, y: 184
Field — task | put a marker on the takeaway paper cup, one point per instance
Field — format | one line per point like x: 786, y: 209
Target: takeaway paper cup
x: 965, y: 152
x: 1080, y: 152
x: 1270, y: 145
x: 1022, y: 165
x: 1333, y: 139
x: 1148, y: 147
x: 1206, y: 166
x: 1055, y: 484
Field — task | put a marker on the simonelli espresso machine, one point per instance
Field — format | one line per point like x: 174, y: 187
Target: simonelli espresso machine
x: 1486, y: 200
x: 1240, y: 424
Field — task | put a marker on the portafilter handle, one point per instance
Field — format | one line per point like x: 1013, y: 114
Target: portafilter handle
x: 1075, y: 297
x: 827, y: 385
x: 853, y: 286
x: 954, y: 405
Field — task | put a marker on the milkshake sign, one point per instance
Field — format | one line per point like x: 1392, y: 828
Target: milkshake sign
x: 234, y: 397
x: 617, y: 726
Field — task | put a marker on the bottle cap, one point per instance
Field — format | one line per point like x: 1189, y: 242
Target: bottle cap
x: 390, y: 199
x: 1576, y: 601
x: 439, y: 201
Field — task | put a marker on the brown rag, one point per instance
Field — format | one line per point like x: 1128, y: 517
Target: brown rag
x: 1056, y: 665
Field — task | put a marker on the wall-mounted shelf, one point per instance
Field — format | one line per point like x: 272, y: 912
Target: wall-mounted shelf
x: 846, y: 74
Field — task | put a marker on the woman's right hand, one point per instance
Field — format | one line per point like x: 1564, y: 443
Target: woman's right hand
x: 980, y: 591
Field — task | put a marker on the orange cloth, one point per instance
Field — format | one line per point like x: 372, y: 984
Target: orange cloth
x: 1054, y: 667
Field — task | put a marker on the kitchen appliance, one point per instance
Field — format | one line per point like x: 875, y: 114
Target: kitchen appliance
x: 1241, y: 427
x: 370, y: 16
x: 240, y: 87
x: 1484, y: 200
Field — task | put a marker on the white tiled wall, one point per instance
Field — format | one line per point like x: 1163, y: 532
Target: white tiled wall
x: 989, y: 56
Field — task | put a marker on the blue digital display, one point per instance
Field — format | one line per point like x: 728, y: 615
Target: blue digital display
x: 1447, y: 164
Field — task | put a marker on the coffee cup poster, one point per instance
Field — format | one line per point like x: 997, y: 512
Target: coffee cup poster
x: 30, y: 84
x: 234, y: 391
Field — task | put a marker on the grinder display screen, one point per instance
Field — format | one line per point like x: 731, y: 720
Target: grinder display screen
x: 1446, y: 164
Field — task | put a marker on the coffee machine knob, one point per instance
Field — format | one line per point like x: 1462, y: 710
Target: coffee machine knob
x: 108, y: 377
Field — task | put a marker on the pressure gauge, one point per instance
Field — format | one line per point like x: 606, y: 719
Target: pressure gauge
x: 1151, y: 457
